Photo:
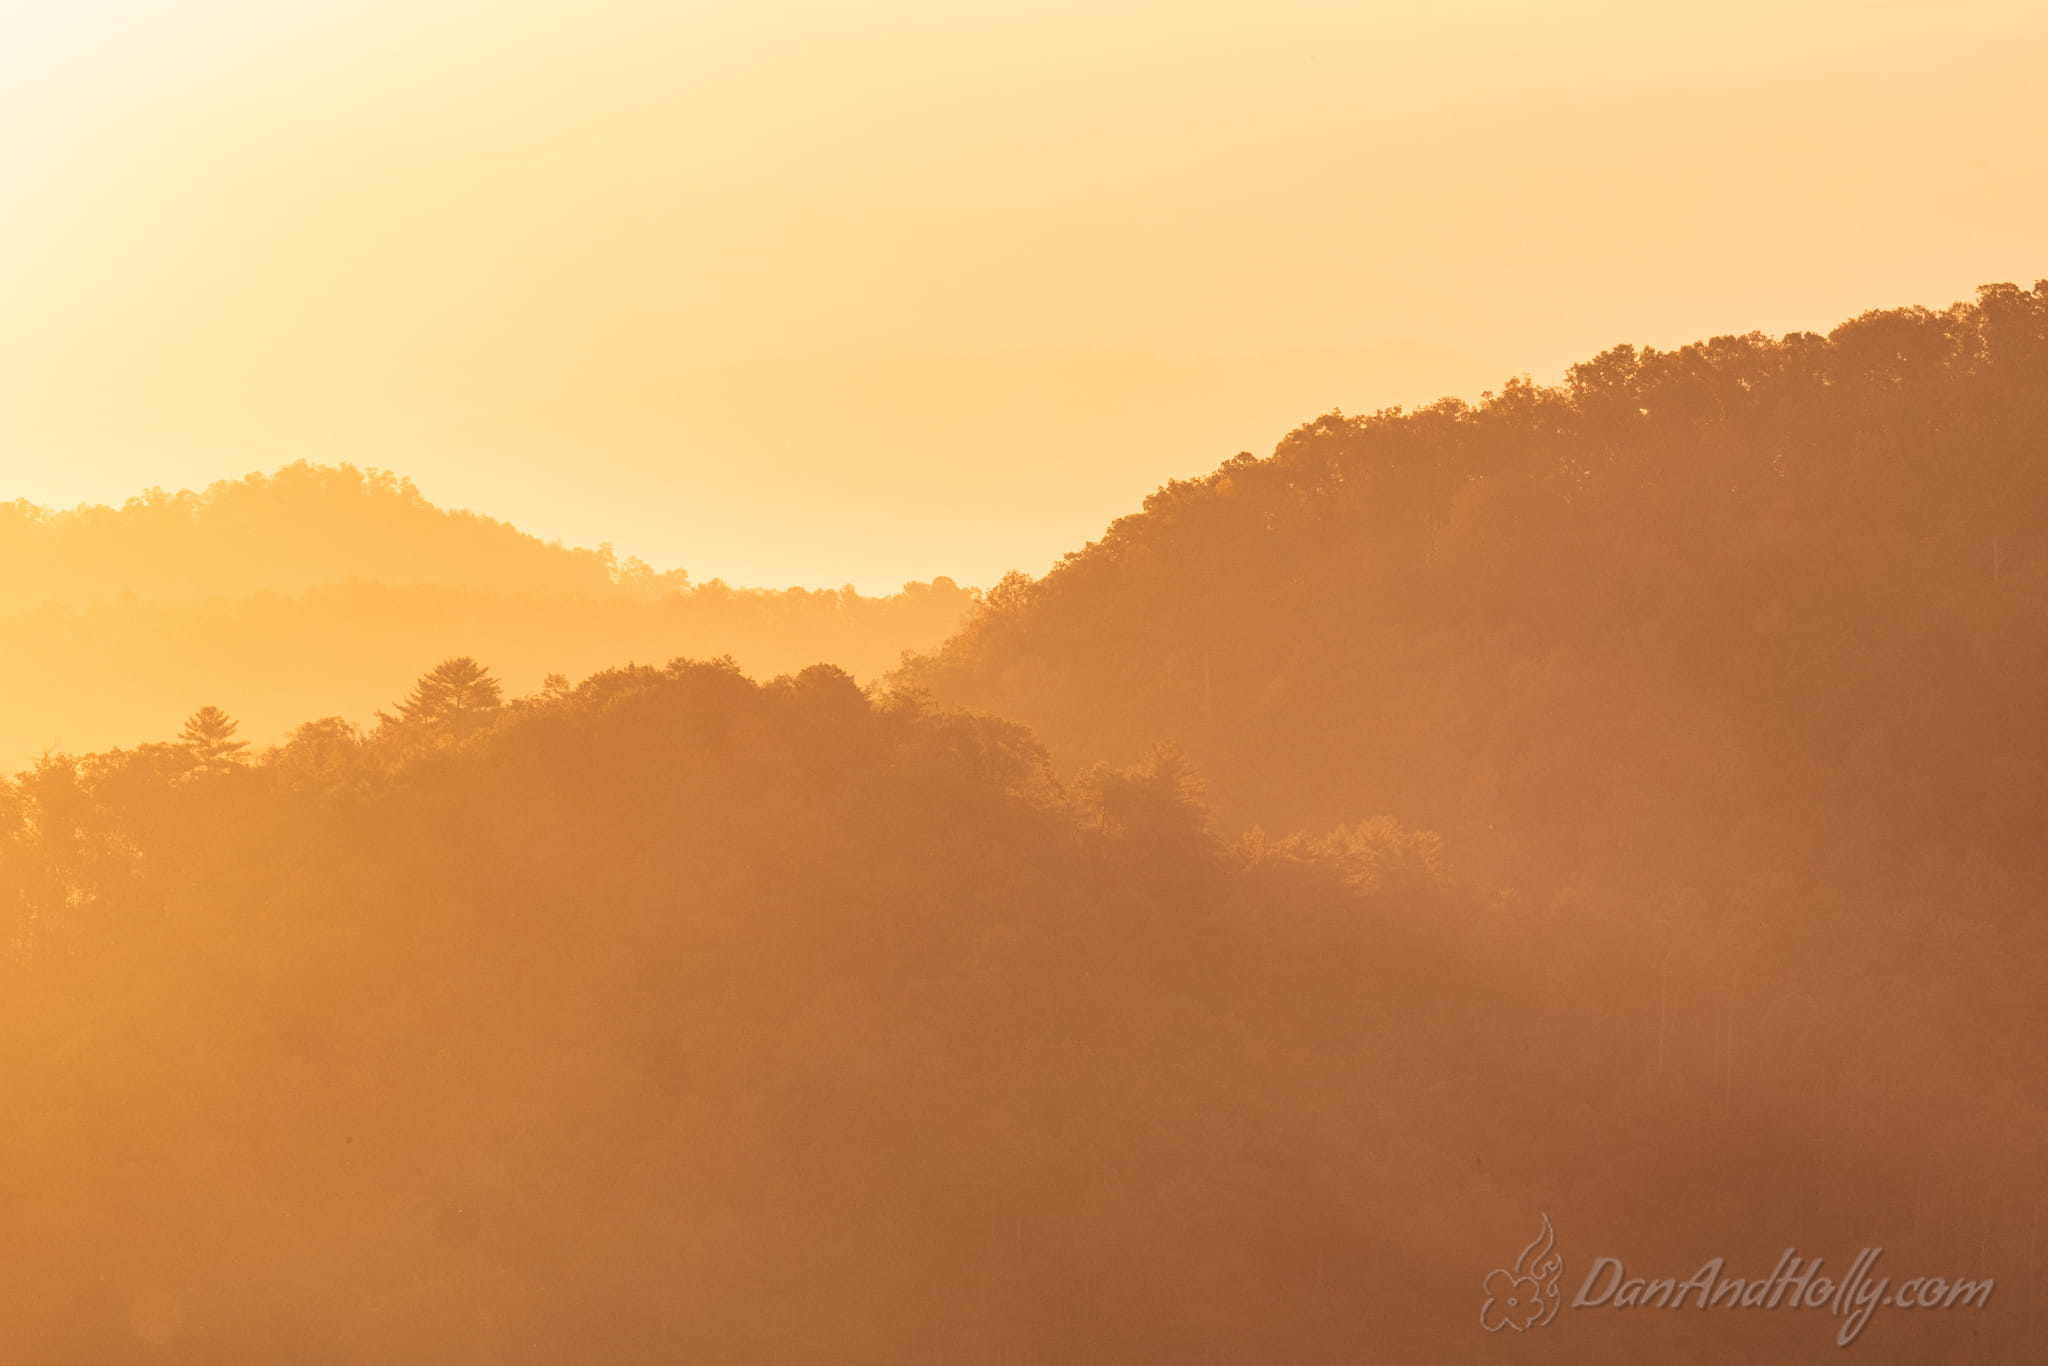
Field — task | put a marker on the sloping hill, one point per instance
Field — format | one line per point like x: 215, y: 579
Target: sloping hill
x: 1752, y: 607
x: 299, y: 528
x: 673, y: 1018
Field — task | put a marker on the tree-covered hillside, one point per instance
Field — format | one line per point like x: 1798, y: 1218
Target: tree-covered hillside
x: 674, y: 1017
x: 1752, y: 606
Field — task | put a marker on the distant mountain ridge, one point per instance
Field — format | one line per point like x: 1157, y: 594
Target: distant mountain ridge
x: 304, y: 526
x: 315, y: 590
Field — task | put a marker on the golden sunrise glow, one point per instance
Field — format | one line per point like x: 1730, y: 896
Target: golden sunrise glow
x: 1055, y: 683
x: 758, y: 290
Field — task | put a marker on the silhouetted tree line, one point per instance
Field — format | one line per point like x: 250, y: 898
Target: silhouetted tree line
x: 307, y: 590
x: 1667, y: 758
x: 674, y: 1017
x: 1751, y: 605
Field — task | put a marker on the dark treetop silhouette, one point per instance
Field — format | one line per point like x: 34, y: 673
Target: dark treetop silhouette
x: 1670, y: 757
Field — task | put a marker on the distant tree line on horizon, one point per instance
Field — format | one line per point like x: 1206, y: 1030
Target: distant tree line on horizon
x: 304, y: 591
x: 1620, y: 798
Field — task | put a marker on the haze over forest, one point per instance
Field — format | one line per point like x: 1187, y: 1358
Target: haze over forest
x: 311, y: 590
x: 1618, y: 801
x: 1075, y: 683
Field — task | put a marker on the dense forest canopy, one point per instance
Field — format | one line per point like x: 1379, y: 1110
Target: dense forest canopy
x: 1618, y: 800
x: 1095, y: 841
x: 1751, y: 605
x: 676, y: 1017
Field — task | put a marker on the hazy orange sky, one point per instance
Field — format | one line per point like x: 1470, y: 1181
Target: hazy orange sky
x: 818, y: 292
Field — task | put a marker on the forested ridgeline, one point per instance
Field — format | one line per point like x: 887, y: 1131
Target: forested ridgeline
x: 677, y: 1017
x: 305, y: 592
x: 1751, y: 607
x: 302, y: 527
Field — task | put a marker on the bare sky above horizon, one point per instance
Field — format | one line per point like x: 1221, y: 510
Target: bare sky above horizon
x: 805, y: 292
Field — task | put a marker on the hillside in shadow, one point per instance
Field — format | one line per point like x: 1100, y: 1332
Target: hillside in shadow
x: 672, y: 1016
x: 1754, y: 608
